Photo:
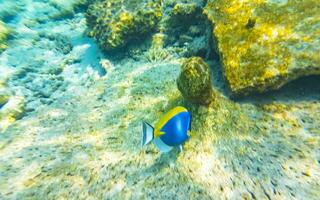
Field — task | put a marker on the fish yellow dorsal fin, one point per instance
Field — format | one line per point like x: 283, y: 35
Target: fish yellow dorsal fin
x: 166, y: 118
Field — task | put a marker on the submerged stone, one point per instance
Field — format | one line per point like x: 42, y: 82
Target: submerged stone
x: 264, y: 44
x: 4, y: 33
x: 194, y: 81
x: 114, y: 24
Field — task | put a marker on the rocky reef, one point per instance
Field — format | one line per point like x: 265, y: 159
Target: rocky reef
x: 261, y: 47
x: 265, y: 44
x: 194, y: 81
x: 4, y: 32
x: 118, y: 24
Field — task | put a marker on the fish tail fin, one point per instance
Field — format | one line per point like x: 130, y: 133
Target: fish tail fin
x: 147, y: 133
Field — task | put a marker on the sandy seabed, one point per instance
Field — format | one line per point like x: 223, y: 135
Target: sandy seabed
x: 80, y: 135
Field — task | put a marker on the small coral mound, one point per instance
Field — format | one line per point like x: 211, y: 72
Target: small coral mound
x: 194, y: 81
x: 4, y: 32
x: 115, y: 23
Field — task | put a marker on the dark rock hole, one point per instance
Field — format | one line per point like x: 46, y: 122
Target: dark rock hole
x: 302, y: 89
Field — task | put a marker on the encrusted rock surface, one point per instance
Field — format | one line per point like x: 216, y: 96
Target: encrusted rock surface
x: 194, y: 81
x: 265, y: 44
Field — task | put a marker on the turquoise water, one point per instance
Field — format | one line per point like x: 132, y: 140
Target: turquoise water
x: 73, y: 97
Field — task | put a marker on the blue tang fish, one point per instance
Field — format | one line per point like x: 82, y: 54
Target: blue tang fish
x: 173, y: 129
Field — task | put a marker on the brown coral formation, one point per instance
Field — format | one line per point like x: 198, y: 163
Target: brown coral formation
x: 265, y: 44
x: 194, y: 81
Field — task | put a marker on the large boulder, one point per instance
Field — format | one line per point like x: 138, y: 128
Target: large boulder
x: 115, y: 23
x: 194, y: 81
x: 265, y: 44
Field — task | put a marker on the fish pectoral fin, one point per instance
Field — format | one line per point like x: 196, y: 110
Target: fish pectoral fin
x: 158, y: 133
x: 162, y: 133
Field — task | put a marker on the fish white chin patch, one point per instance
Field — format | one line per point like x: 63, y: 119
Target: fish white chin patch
x: 161, y: 145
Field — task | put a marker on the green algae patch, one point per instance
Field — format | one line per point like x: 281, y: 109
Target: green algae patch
x: 264, y: 44
x: 4, y: 33
x: 116, y: 23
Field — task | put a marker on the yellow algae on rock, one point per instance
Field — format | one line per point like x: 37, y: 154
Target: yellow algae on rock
x: 4, y: 32
x: 264, y: 44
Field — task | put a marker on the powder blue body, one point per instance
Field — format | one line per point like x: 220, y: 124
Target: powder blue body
x: 176, y: 129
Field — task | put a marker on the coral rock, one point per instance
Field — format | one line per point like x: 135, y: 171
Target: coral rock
x: 265, y: 44
x: 194, y: 81
x: 115, y: 23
